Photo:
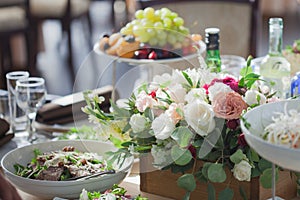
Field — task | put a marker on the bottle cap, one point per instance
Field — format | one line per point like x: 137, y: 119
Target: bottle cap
x: 276, y: 21
x: 212, y: 30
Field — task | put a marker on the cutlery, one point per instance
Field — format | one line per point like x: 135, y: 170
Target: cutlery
x: 91, y: 175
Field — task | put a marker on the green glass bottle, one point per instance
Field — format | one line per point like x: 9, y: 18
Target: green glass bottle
x: 274, y: 68
x: 213, y: 59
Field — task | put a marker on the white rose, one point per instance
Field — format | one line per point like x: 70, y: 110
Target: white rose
x: 144, y: 101
x: 216, y: 88
x: 251, y: 97
x: 200, y: 116
x: 177, y: 93
x: 242, y: 171
x: 138, y: 123
x: 162, y: 126
x: 195, y: 94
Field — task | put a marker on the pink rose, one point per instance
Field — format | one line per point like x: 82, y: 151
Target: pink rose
x: 228, y: 105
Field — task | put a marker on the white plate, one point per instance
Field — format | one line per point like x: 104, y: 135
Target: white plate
x: 147, y: 61
x: 63, y: 189
x: 259, y: 118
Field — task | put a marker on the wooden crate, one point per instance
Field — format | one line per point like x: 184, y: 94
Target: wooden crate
x: 163, y: 183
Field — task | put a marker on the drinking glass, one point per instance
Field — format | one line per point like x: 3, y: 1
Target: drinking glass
x: 16, y: 115
x: 31, y: 95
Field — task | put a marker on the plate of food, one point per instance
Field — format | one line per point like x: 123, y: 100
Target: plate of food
x: 64, y: 168
x: 273, y: 131
x: 154, y: 36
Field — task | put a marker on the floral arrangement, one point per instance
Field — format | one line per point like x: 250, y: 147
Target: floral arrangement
x: 187, y: 116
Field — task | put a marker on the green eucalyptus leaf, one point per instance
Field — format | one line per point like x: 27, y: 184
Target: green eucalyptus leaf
x: 243, y: 193
x: 183, y: 136
x: 187, y: 182
x: 216, y: 173
x: 187, y: 196
x: 211, y: 192
x: 254, y: 156
x: 227, y: 194
x: 264, y: 164
x: 237, y: 157
x: 205, y: 169
x: 200, y: 177
x: 181, y: 156
x: 255, y: 172
x: 149, y: 114
x: 266, y: 178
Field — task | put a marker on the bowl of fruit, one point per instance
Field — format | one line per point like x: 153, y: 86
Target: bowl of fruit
x: 153, y: 36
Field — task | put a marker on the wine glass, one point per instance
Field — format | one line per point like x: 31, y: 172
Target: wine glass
x: 31, y: 95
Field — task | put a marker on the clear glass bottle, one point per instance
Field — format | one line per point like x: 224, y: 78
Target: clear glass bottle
x: 213, y: 59
x: 274, y: 68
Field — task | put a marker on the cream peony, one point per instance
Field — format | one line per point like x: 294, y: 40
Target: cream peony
x: 162, y: 126
x: 242, y: 171
x: 200, y: 116
x: 195, y: 94
x: 177, y: 93
x: 138, y: 123
x: 254, y: 97
x: 217, y: 88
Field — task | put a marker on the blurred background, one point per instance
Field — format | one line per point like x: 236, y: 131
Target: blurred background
x: 70, y: 65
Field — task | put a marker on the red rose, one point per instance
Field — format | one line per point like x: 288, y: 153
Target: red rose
x: 241, y: 140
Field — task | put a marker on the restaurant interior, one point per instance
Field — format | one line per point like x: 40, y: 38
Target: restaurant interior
x: 61, y: 41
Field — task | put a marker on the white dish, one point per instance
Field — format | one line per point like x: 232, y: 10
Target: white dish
x: 147, y: 61
x: 63, y: 189
x: 259, y: 118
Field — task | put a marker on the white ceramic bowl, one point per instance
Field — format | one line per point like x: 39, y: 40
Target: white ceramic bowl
x: 259, y: 118
x: 63, y: 189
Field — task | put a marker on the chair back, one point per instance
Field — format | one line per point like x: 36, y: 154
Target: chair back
x: 238, y: 20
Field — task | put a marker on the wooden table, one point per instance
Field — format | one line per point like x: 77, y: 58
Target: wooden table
x: 131, y: 184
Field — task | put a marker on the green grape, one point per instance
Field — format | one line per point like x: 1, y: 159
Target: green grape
x: 138, y: 30
x: 157, y: 14
x: 139, y: 14
x: 173, y: 15
x: 171, y: 39
x: 167, y: 23
x: 185, y: 31
x: 151, y: 32
x: 146, y: 23
x: 162, y: 36
x: 158, y: 25
x: 126, y: 31
x: 135, y: 22
x: 153, y: 41
x: 162, y: 43
x: 165, y: 11
x: 178, y: 21
x: 149, y: 13
x: 144, y: 37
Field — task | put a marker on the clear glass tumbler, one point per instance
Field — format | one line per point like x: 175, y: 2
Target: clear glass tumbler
x: 17, y: 116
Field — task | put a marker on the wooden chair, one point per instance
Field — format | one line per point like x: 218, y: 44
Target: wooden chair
x: 66, y: 11
x: 238, y: 20
x: 14, y: 20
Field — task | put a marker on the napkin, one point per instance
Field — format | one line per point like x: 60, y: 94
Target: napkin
x: 68, y: 108
x: 4, y: 136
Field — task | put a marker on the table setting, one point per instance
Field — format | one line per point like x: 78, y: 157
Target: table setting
x: 181, y: 132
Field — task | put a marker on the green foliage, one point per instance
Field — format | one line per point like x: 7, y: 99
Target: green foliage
x: 216, y: 173
x: 187, y: 182
x: 266, y: 178
x: 238, y: 156
x: 183, y: 136
x: 227, y: 194
x: 211, y: 191
x: 181, y: 156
